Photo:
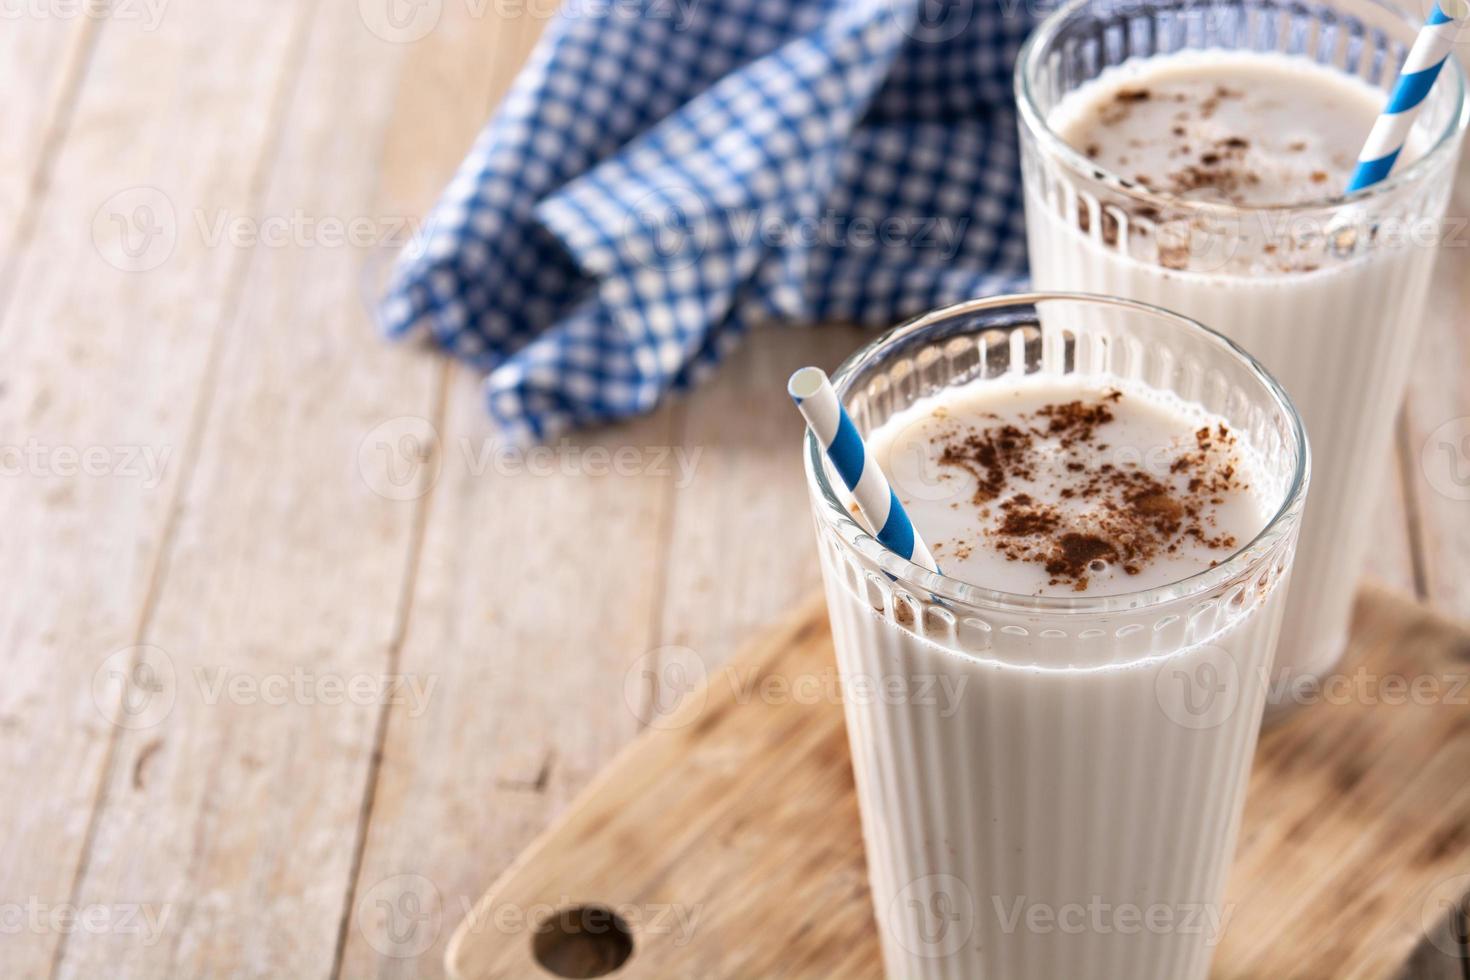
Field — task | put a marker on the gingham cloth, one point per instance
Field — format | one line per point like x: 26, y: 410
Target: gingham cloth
x: 666, y: 173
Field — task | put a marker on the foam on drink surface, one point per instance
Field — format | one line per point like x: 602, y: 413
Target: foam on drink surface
x: 1039, y: 485
x: 1245, y: 128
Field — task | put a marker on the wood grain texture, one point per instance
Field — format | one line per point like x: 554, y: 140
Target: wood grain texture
x: 232, y: 389
x: 535, y: 697
x: 103, y: 368
x: 536, y: 594
x: 42, y: 61
x: 729, y: 840
x: 1358, y: 815
x: 281, y: 594
x: 536, y: 591
x: 720, y: 587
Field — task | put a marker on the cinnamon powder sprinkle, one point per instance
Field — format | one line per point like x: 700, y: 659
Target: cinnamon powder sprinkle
x: 1118, y: 514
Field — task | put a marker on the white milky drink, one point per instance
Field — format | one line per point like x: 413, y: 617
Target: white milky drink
x: 1145, y: 488
x: 1239, y: 127
x: 1208, y: 181
x: 1051, y: 780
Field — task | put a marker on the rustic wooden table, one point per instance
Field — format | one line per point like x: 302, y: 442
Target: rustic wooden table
x: 283, y: 692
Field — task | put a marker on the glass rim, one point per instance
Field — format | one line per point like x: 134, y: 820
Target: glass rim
x: 834, y: 514
x: 1035, y: 122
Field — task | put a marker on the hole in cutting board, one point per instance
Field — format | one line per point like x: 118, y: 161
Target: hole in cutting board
x: 582, y: 941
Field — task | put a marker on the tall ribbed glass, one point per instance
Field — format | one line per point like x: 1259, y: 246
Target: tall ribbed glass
x: 1337, y: 325
x: 1050, y: 786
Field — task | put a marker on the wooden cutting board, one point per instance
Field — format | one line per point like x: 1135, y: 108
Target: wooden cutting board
x: 728, y: 841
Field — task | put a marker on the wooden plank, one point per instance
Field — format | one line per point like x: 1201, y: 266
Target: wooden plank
x: 535, y: 600
x: 1354, y: 833
x: 725, y: 582
x: 103, y: 367
x: 282, y: 595
x: 1444, y: 953
x: 1357, y: 812
x: 737, y: 445
x: 687, y: 830
x: 42, y: 60
x: 537, y: 591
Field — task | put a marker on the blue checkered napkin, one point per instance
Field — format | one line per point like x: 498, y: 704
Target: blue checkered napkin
x: 666, y: 173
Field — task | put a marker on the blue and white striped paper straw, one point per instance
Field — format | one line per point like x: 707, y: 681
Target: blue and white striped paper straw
x: 829, y: 422
x: 1416, y: 78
